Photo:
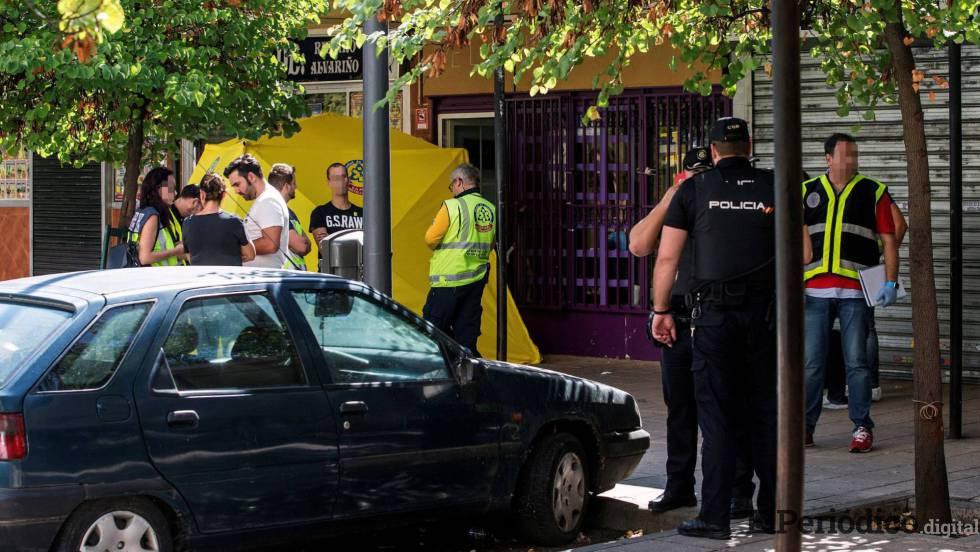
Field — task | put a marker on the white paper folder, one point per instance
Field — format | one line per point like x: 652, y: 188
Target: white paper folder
x: 872, y: 280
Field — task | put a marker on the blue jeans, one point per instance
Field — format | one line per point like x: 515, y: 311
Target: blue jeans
x: 819, y: 320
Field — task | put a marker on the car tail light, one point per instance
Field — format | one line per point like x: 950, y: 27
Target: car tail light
x: 13, y: 437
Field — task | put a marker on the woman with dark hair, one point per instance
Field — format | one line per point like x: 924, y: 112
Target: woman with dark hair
x: 212, y: 236
x: 152, y: 226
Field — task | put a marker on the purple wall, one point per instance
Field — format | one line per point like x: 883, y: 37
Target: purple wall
x: 600, y: 334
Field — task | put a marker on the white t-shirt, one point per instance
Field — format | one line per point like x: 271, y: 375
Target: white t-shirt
x: 268, y: 210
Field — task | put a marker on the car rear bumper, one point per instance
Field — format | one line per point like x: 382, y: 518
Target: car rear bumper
x: 30, y: 518
x: 623, y: 451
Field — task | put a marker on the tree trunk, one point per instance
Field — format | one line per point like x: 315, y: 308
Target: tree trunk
x: 134, y: 166
x: 931, y: 485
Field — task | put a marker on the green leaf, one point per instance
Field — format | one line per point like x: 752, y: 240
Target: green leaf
x: 111, y: 17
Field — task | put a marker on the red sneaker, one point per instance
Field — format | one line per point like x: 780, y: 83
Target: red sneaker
x: 861, y: 442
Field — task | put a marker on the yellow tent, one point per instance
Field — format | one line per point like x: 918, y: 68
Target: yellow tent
x: 419, y: 178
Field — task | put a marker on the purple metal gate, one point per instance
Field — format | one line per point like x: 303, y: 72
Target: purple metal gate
x: 576, y: 189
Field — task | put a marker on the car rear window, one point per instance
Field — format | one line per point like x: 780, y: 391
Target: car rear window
x: 23, y: 329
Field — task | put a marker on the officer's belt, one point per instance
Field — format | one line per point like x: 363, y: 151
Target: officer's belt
x: 728, y: 294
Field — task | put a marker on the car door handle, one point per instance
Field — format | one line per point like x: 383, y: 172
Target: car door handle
x: 183, y: 418
x: 351, y: 408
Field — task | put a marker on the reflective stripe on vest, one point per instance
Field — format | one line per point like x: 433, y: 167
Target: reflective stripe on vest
x: 177, y: 236
x: 294, y: 261
x: 464, y: 254
x: 163, y: 242
x: 833, y: 258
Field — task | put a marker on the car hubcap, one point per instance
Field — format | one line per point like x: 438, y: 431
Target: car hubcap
x: 120, y: 531
x: 569, y: 492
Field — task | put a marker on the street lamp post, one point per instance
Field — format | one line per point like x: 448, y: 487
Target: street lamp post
x: 377, y: 164
x: 500, y: 168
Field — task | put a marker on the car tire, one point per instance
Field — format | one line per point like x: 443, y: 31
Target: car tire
x: 119, y: 524
x: 553, y: 491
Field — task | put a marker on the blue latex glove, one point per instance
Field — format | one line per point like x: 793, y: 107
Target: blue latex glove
x: 887, y: 296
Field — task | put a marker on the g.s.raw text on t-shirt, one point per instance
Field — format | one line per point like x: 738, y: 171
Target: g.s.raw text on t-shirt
x: 344, y: 221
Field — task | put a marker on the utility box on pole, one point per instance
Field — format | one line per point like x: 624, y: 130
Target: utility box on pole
x: 342, y: 254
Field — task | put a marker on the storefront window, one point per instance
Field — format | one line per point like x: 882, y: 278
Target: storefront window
x: 475, y: 135
x: 327, y: 102
x: 15, y: 176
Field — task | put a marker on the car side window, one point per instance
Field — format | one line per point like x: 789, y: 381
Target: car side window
x: 363, y: 341
x: 94, y: 357
x: 232, y: 342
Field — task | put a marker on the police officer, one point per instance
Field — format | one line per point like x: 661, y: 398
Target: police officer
x: 461, y: 237
x: 675, y: 368
x: 727, y: 213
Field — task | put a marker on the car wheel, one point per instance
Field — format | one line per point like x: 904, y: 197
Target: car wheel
x: 554, y: 490
x: 122, y: 525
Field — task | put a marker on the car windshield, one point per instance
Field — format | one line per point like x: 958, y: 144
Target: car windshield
x: 23, y: 329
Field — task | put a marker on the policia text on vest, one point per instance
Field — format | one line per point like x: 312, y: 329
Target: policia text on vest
x: 461, y: 237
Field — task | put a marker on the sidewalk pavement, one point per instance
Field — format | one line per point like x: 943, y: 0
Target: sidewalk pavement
x: 835, y: 479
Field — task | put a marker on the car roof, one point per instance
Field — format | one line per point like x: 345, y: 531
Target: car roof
x: 125, y: 281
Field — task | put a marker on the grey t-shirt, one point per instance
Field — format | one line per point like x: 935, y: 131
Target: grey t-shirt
x: 215, y: 239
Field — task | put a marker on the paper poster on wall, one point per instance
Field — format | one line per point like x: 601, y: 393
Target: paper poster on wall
x: 15, y: 176
x: 394, y: 111
x: 422, y: 118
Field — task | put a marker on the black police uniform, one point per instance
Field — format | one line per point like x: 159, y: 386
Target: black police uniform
x: 728, y: 213
x: 678, y: 391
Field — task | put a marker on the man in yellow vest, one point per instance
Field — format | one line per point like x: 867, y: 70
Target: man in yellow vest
x: 845, y: 214
x: 461, y: 237
x: 283, y: 178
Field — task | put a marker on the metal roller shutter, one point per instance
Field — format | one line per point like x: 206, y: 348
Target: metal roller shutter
x: 882, y: 156
x: 66, y: 217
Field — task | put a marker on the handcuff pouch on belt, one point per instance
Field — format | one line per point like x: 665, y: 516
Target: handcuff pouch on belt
x: 719, y: 295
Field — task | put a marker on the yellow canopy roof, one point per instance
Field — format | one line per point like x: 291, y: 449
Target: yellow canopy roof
x: 419, y: 177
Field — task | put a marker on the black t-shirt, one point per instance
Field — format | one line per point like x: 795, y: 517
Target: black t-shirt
x: 215, y: 239
x: 333, y: 219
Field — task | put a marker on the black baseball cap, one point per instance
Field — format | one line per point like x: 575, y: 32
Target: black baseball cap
x: 697, y: 158
x: 729, y: 129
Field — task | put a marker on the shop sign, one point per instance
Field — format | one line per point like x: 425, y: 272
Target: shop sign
x: 346, y: 67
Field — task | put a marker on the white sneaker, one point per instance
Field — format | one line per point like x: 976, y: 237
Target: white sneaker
x: 876, y: 394
x: 831, y: 405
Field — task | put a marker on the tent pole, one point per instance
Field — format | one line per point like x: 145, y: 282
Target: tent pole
x: 377, y: 164
x: 500, y: 169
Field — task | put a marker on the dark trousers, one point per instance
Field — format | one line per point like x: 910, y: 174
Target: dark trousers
x: 735, y: 383
x: 457, y: 311
x: 682, y: 422
x: 835, y: 375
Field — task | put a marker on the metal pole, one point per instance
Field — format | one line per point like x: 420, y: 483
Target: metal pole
x: 789, y: 271
x: 956, y: 244
x: 377, y: 165
x: 500, y: 169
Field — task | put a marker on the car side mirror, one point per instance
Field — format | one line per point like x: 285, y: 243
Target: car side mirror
x: 469, y: 370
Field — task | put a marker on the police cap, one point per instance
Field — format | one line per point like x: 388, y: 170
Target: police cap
x: 697, y: 158
x: 729, y: 129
